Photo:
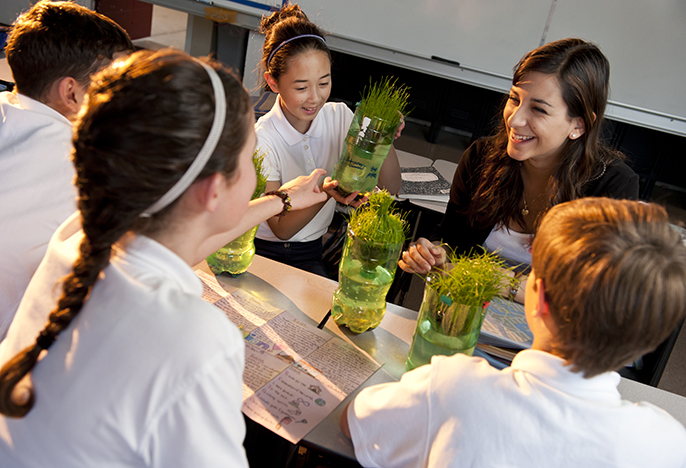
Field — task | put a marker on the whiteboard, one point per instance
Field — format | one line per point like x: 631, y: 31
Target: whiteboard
x: 645, y: 42
x: 484, y: 35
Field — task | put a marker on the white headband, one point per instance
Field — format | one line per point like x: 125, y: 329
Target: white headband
x: 276, y: 49
x: 205, y: 152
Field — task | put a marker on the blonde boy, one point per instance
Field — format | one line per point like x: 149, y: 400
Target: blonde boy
x: 608, y: 285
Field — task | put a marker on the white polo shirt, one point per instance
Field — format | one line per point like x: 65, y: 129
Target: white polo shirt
x: 290, y: 154
x: 36, y: 191
x: 459, y: 411
x: 147, y: 375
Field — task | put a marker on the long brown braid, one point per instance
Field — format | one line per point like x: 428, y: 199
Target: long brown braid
x: 146, y: 119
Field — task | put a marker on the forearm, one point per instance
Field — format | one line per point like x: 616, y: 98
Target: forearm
x: 389, y: 174
x: 259, y: 210
x: 287, y: 226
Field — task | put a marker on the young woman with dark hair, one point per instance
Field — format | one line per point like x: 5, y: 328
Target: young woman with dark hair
x: 140, y: 370
x: 546, y: 151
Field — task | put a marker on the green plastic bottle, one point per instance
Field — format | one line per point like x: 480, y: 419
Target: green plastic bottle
x: 443, y: 327
x: 376, y: 234
x: 365, y: 276
x: 236, y: 256
x: 370, y: 136
x: 455, y: 301
x: 367, y: 145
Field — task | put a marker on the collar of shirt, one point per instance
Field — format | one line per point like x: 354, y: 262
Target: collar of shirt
x: 25, y: 102
x: 553, y: 372
x: 290, y: 135
x: 151, y: 263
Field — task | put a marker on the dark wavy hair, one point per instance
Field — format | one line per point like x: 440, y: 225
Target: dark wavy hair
x: 53, y: 40
x: 583, y: 73
x: 282, y: 25
x: 145, y: 121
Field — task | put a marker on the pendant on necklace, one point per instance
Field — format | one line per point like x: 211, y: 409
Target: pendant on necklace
x: 525, y: 212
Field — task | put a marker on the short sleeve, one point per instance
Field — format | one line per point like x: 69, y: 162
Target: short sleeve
x: 203, y: 425
x: 271, y: 160
x: 378, y: 421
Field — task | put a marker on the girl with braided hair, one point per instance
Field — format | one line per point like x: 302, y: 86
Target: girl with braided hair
x: 133, y: 368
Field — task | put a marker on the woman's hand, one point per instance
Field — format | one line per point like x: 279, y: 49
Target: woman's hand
x: 521, y: 289
x: 422, y: 256
x: 518, y: 292
x: 304, y: 190
x: 329, y: 186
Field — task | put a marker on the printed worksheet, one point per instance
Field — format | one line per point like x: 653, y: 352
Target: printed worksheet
x: 292, y: 404
x: 247, y: 311
x: 295, y: 374
x: 212, y: 291
x: 505, y: 325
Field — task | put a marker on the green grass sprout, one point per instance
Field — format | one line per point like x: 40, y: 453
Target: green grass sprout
x: 260, y: 164
x: 386, y: 101
x: 463, y: 287
x: 379, y: 221
x: 471, y: 279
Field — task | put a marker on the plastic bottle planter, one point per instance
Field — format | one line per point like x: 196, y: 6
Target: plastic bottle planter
x: 366, y: 147
x: 365, y: 275
x: 236, y: 256
x: 443, y: 327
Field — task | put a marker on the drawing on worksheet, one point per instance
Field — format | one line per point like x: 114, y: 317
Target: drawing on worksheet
x: 505, y: 325
x: 295, y: 374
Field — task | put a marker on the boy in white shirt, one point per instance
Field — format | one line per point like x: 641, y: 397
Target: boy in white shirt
x: 608, y: 285
x: 52, y: 50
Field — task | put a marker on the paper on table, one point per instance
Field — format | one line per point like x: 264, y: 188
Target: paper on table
x: 341, y: 365
x: 292, y: 404
x: 287, y: 337
x: 295, y: 374
x: 212, y: 291
x: 260, y: 368
x: 419, y: 176
x: 305, y: 393
x: 505, y: 325
x: 246, y: 311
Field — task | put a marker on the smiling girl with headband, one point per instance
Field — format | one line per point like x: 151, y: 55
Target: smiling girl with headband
x: 140, y: 370
x: 303, y: 132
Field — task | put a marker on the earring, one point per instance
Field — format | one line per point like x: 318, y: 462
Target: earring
x: 573, y: 135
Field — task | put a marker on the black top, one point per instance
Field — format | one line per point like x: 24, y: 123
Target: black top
x: 618, y: 181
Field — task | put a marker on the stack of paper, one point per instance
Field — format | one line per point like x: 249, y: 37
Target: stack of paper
x: 505, y: 331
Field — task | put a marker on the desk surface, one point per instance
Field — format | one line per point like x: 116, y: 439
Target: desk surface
x: 301, y: 292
